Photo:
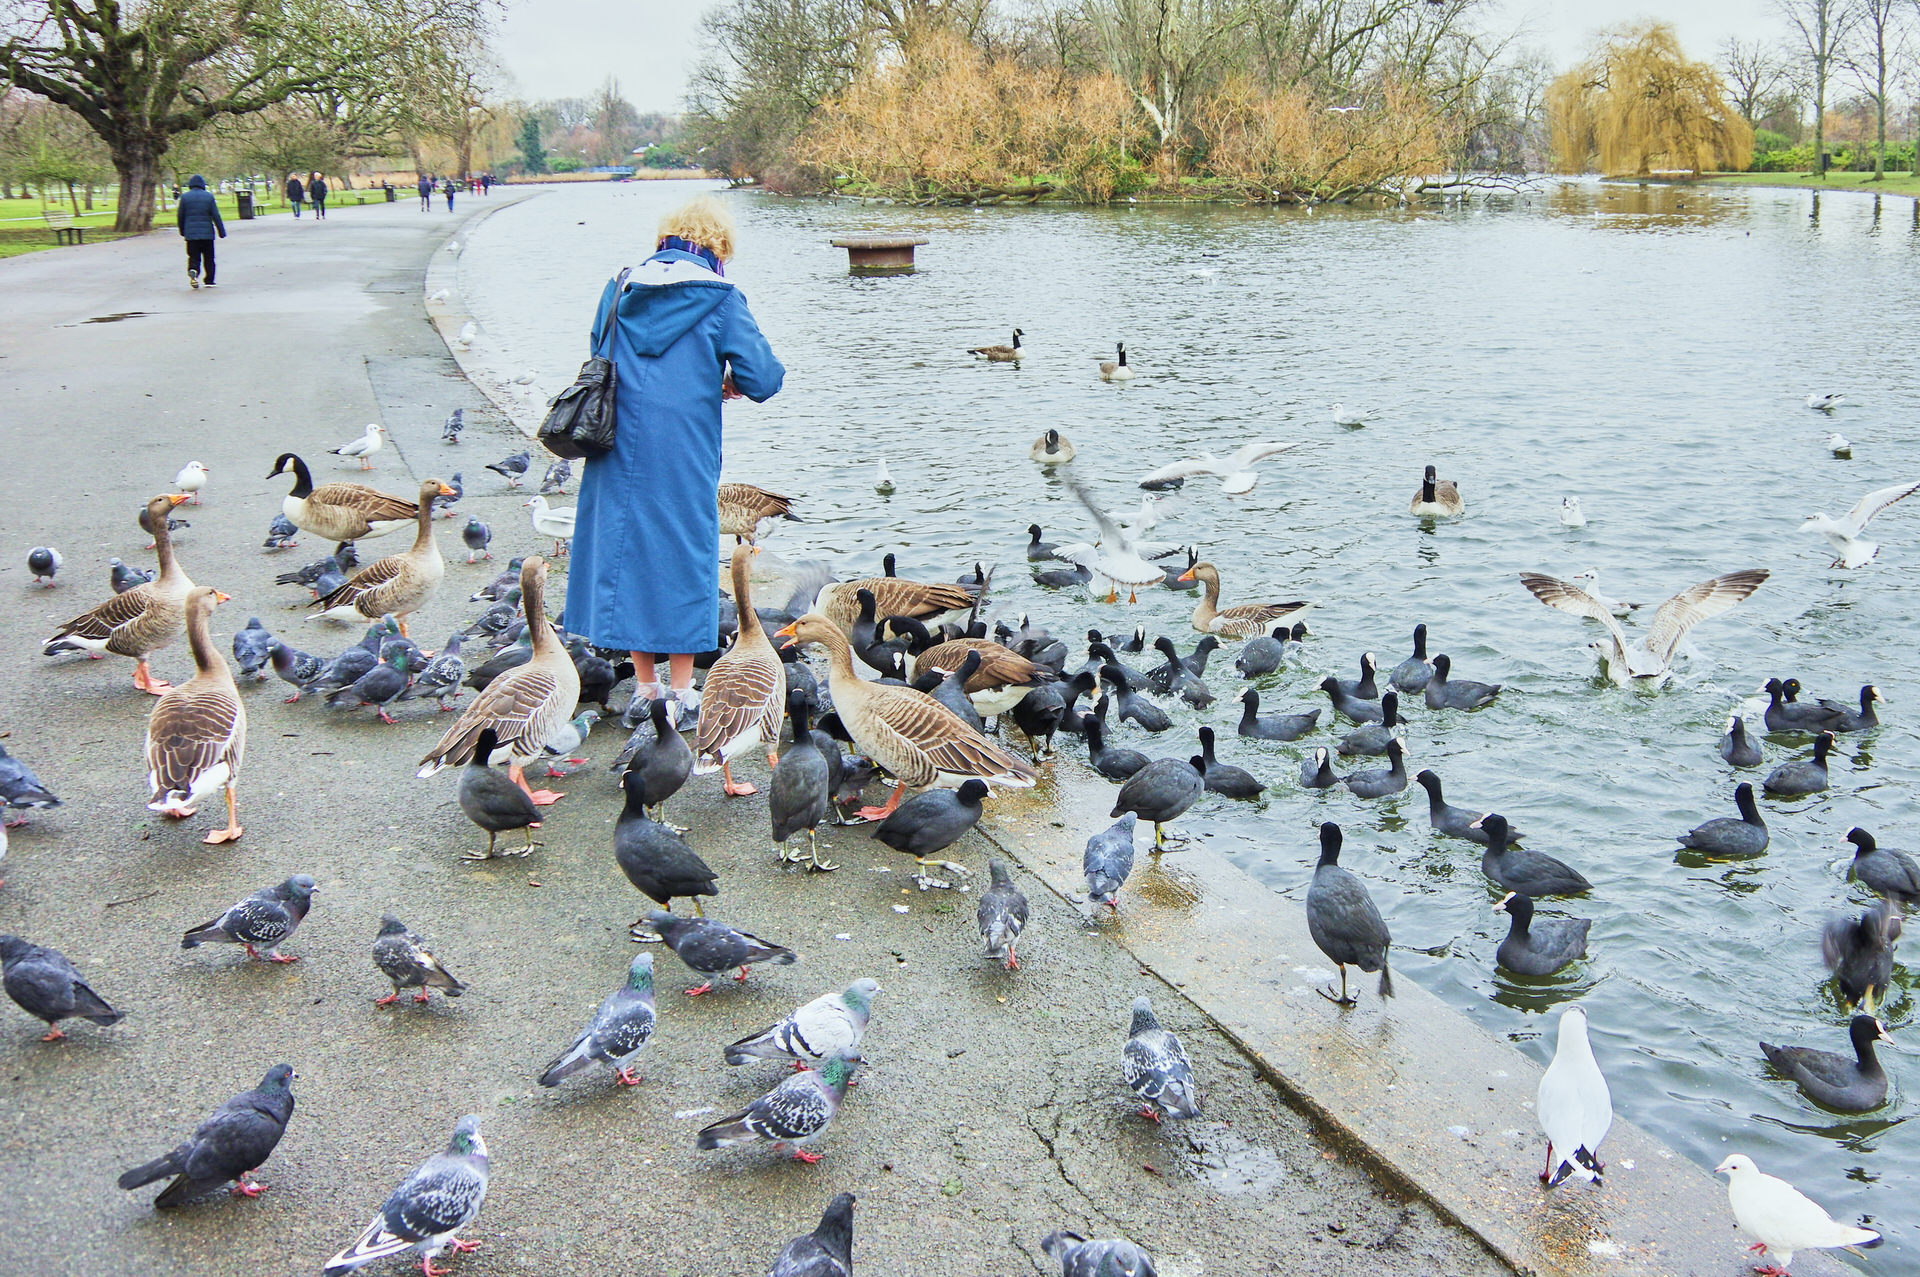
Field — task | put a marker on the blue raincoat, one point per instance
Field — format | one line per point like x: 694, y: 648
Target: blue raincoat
x: 644, y: 575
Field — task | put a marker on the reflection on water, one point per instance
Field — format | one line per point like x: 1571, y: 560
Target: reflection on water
x: 1646, y: 348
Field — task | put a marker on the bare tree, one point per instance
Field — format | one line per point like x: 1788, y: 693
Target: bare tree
x: 1753, y: 72
x: 1821, y: 29
x: 1165, y: 51
x: 1875, y: 63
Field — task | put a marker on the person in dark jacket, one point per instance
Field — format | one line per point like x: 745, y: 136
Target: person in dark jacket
x: 425, y: 187
x: 642, y: 576
x: 296, y: 193
x: 198, y: 217
x: 317, y: 192
x: 449, y: 188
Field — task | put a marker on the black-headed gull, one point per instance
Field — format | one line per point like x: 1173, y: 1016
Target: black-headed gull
x: 364, y: 447
x: 1824, y: 403
x: 1352, y: 418
x: 1235, y: 470
x: 1782, y: 1218
x: 192, y: 478
x: 1839, y: 445
x: 1574, y: 1106
x: 1571, y: 515
x: 1843, y: 534
x: 1651, y: 656
x: 549, y: 522
x: 1115, y: 556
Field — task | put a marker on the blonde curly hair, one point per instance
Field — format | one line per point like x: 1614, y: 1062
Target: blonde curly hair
x: 704, y: 221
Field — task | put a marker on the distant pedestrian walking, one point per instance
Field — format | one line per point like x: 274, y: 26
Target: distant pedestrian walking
x: 425, y: 187
x: 296, y: 194
x: 317, y: 193
x: 198, y: 217
x: 449, y: 188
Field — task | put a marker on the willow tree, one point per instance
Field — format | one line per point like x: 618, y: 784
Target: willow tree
x: 1638, y: 103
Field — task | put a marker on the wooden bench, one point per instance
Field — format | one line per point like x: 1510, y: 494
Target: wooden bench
x: 64, y: 231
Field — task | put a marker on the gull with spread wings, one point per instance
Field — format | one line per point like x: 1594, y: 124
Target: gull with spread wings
x: 1235, y: 470
x: 1844, y: 533
x: 1115, y: 556
x: 1650, y: 656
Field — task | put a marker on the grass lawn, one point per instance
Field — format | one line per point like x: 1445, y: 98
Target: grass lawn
x: 1896, y: 183
x: 23, y: 231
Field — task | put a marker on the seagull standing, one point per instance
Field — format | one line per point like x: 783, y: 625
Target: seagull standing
x: 1844, y: 533
x: 1574, y: 1106
x: 1236, y: 472
x: 1651, y: 656
x: 549, y: 522
x: 364, y: 447
x: 192, y: 478
x: 1783, y: 1218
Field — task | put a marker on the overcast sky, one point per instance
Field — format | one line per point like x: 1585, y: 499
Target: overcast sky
x: 566, y: 48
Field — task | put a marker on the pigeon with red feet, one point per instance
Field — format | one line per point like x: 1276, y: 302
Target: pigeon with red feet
x: 404, y: 959
x: 1157, y: 1069
x: 793, y: 1114
x: 441, y: 1197
x: 46, y: 985
x: 616, y: 1033
x: 233, y: 1143
x: 713, y: 948
x: 265, y: 920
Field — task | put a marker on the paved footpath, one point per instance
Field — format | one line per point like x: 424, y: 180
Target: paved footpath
x: 990, y: 1111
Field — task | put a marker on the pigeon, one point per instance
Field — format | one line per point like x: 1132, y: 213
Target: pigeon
x: 1859, y: 952
x: 43, y: 561
x: 253, y: 648
x: 267, y: 918
x: 1002, y: 915
x: 569, y: 738
x: 456, y: 422
x: 20, y: 789
x: 442, y: 1196
x: 827, y: 1251
x: 1156, y: 1067
x: 710, y: 947
x: 235, y: 1140
x: 794, y: 1113
x: 404, y: 959
x: 364, y: 447
x: 498, y: 588
x: 514, y: 655
x: 1343, y: 921
x: 1574, y: 1106
x: 173, y: 525
x: 347, y: 667
x: 1108, y: 1257
x: 513, y: 469
x: 554, y: 482
x: 340, y: 561
x: 443, y: 504
x: 1108, y: 861
x: 478, y: 536
x: 1571, y: 515
x: 1784, y: 1219
x: 832, y: 1024
x: 492, y: 801
x: 441, y: 677
x: 44, y: 984
x: 295, y: 667
x: 280, y: 534
x: 124, y: 578
x: 192, y: 478
x: 616, y: 1033
x: 496, y: 618
x: 377, y: 687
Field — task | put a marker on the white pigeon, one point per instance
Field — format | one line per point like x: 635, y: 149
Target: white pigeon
x: 192, y: 478
x: 1839, y: 445
x: 831, y: 1024
x: 1343, y: 415
x: 1783, y: 1218
x: 1574, y: 1106
x: 468, y: 331
x: 1236, y: 472
x: 440, y: 295
x: 1843, y: 534
x: 364, y: 447
x: 549, y: 522
x: 1824, y: 403
x: 1115, y: 557
x: 1651, y: 656
x: 1571, y: 515
x: 882, y: 481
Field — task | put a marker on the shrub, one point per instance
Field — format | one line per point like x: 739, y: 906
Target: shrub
x: 1279, y: 144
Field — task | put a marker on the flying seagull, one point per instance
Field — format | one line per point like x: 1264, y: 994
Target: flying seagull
x: 1650, y: 656
x: 1235, y: 470
x: 1843, y: 534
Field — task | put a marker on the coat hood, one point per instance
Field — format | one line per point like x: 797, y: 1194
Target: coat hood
x: 197, y: 182
x: 667, y: 295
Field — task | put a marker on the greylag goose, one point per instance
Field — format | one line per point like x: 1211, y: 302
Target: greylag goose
x: 143, y: 620
x: 399, y: 584
x: 198, y: 732
x: 745, y: 695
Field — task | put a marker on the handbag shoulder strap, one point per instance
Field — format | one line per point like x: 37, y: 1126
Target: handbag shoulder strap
x: 613, y: 311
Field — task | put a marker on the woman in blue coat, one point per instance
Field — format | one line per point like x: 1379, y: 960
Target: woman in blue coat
x: 645, y: 573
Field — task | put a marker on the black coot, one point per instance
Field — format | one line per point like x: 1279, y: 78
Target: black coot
x: 1273, y: 726
x: 1444, y: 692
x: 1372, y: 738
x: 1735, y: 746
x: 1850, y: 1085
x: 1343, y: 921
x: 1111, y: 761
x: 1530, y: 873
x: 1730, y: 836
x: 1538, y: 946
x: 1160, y: 792
x: 1225, y: 778
x: 1888, y: 870
x: 799, y: 796
x: 1804, y: 775
x: 1379, y: 782
x: 1411, y: 675
x: 932, y: 821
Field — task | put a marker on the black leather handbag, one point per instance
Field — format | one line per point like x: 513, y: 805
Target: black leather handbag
x: 579, y: 421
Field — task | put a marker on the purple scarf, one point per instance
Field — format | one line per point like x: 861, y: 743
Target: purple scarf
x: 707, y: 255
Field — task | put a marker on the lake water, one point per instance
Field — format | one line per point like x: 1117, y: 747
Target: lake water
x: 1647, y: 349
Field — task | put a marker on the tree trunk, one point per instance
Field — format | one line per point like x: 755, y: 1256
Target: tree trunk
x: 1820, y: 121
x: 138, y: 164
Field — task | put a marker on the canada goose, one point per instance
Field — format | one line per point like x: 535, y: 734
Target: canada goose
x: 143, y: 620
x: 198, y: 731
x: 399, y: 584
x: 1437, y: 498
x: 745, y: 695
x: 1234, y: 622
x: 1001, y: 354
x: 1116, y: 369
x: 743, y: 508
x: 339, y: 511
x: 1051, y: 449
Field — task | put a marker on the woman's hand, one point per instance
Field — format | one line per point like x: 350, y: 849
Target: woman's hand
x: 728, y: 390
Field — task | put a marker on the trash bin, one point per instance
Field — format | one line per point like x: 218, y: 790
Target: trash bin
x: 388, y: 186
x: 243, y: 205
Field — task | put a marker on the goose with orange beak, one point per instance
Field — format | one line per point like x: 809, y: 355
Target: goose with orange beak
x: 198, y: 732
